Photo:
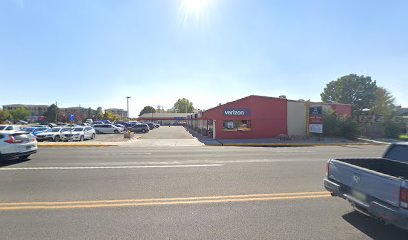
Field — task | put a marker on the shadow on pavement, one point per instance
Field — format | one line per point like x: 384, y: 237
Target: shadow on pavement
x: 8, y: 162
x: 373, y: 228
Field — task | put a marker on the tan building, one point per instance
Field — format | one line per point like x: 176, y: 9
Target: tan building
x: 120, y: 112
x: 35, y: 110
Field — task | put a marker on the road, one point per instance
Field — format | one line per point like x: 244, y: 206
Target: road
x: 180, y: 193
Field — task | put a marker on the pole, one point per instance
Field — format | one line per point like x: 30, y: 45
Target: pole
x: 127, y: 101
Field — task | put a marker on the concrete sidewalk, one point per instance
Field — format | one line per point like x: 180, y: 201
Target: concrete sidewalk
x: 276, y: 142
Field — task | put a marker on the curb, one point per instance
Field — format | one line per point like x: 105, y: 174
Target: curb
x: 294, y: 144
x: 78, y: 145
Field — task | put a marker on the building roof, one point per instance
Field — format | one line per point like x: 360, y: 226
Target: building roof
x: 24, y: 105
x: 164, y: 115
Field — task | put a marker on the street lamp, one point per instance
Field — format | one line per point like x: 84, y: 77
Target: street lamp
x: 127, y: 100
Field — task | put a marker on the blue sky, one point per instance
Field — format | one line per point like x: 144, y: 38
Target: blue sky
x: 95, y: 53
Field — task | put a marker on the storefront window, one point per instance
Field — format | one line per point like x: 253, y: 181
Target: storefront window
x: 242, y: 125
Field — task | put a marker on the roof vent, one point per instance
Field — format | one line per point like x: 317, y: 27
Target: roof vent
x: 282, y: 96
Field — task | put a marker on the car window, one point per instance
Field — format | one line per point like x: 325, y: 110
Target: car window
x: 9, y: 128
x: 78, y: 129
x: 20, y: 137
x: 2, y: 127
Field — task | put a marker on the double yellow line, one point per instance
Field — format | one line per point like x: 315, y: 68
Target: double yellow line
x: 159, y: 201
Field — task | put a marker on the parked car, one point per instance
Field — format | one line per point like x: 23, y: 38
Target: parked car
x: 53, y: 134
x: 374, y: 186
x: 34, y: 130
x: 156, y: 125
x: 107, y: 128
x: 120, y: 126
x: 78, y: 134
x: 151, y: 125
x: 9, y: 128
x: 140, y: 128
x: 89, y: 120
x: 17, y: 145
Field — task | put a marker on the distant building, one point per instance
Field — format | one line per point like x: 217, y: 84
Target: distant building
x: 165, y: 118
x: 35, y: 110
x: 120, y: 112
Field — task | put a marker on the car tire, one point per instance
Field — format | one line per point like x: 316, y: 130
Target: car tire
x: 57, y: 139
x: 81, y: 139
x: 98, y: 132
x: 116, y: 131
x: 24, y: 157
x: 93, y: 136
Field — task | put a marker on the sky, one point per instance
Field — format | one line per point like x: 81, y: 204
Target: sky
x: 94, y: 53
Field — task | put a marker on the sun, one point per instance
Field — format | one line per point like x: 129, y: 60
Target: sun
x: 194, y: 8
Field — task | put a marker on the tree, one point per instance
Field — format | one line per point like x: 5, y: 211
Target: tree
x: 384, y: 104
x: 20, y: 114
x: 89, y: 113
x: 99, y: 113
x: 183, y: 105
x: 359, y: 91
x: 110, y: 116
x: 4, y: 115
x: 52, y: 113
x: 147, y: 109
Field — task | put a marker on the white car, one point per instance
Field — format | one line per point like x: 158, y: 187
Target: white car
x: 17, y: 145
x: 107, y: 128
x: 9, y: 128
x: 78, y: 133
x: 52, y: 134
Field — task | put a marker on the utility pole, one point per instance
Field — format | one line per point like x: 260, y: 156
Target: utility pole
x: 127, y: 100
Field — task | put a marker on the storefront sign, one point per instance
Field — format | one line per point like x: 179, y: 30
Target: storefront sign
x: 316, y: 128
x: 237, y: 112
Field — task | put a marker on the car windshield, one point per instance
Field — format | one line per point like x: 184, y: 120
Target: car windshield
x: 54, y: 130
x: 66, y: 129
x: 78, y: 129
x: 2, y: 127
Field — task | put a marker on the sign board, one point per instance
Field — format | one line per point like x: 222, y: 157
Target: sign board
x: 316, y: 128
x: 72, y: 117
x: 237, y: 112
x: 315, y: 115
x: 316, y: 119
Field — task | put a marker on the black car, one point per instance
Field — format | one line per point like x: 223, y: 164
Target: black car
x: 140, y: 128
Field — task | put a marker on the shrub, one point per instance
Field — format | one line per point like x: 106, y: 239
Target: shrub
x: 335, y: 126
x: 393, y: 129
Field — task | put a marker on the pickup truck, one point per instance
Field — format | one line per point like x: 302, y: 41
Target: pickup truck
x: 377, y: 187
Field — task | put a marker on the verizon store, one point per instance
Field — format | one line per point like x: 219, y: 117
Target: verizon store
x: 255, y: 117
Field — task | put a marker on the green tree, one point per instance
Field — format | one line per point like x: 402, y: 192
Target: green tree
x: 99, y: 113
x: 384, y: 104
x: 4, y: 115
x: 359, y: 91
x: 110, y: 116
x: 52, y: 113
x: 20, y: 113
x: 147, y: 109
x: 183, y: 105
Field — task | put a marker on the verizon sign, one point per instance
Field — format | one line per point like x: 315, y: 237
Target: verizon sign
x: 236, y: 112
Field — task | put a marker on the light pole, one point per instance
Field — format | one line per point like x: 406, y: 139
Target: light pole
x: 127, y: 101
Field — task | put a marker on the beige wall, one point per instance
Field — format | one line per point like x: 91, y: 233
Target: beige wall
x: 296, y: 118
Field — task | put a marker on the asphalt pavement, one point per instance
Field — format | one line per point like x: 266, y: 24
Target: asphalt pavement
x: 171, y: 192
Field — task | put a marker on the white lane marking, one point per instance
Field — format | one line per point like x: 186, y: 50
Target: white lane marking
x: 111, y: 167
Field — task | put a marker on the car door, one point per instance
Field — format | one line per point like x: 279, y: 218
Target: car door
x: 88, y: 133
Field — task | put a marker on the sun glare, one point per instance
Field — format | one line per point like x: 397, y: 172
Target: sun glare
x: 194, y: 8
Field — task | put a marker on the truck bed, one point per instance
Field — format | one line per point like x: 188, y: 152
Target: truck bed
x: 381, y: 165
